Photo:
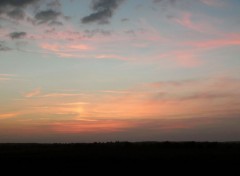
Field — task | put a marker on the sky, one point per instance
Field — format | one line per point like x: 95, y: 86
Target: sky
x: 119, y: 70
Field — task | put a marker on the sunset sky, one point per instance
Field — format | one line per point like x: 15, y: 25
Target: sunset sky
x: 119, y: 70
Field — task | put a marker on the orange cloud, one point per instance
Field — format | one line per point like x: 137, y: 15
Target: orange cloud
x: 215, y: 97
x: 33, y: 93
x: 100, y: 126
x: 59, y: 95
x: 171, y: 100
x: 8, y: 115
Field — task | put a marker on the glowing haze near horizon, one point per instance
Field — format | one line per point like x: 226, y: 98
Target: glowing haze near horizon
x: 119, y: 70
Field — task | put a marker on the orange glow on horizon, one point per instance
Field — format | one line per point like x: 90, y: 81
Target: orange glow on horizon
x: 90, y: 126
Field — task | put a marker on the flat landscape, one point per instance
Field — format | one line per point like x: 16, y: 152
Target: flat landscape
x: 121, y: 155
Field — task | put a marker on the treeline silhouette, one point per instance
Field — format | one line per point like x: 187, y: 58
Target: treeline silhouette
x: 121, y: 154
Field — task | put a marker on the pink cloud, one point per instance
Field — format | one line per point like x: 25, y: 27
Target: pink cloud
x: 67, y: 50
x: 6, y: 77
x: 228, y: 40
x: 79, y: 47
x: 200, y: 26
x: 111, y: 56
x: 187, y: 59
x: 65, y: 47
x: 182, y: 58
x: 80, y: 51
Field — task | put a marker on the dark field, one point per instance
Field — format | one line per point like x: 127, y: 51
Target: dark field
x: 121, y: 155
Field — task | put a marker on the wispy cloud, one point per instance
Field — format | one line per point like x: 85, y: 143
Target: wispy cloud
x: 99, y: 126
x: 38, y: 93
x: 67, y: 50
x: 8, y: 115
x: 170, y: 99
x: 215, y: 3
x: 225, y: 41
x: 7, y: 77
x: 61, y: 95
x: 110, y: 110
x: 203, y: 26
x: 33, y: 93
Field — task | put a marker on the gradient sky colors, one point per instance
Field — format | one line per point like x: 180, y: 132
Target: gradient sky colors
x: 107, y: 70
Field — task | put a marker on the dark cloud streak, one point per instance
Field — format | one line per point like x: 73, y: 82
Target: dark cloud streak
x: 47, y: 16
x: 91, y: 33
x: 169, y: 1
x: 14, y: 8
x: 4, y: 48
x: 17, y: 35
x: 103, y: 11
x: 17, y: 14
x: 16, y: 3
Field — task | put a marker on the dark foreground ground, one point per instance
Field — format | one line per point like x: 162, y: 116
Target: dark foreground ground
x: 120, y: 156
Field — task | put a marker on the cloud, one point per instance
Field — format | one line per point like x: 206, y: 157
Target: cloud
x: 103, y: 11
x: 88, y: 126
x: 16, y: 3
x: 204, y: 89
x: 215, y: 3
x: 54, y: 4
x: 60, y: 95
x: 56, y: 23
x: 91, y: 33
x: 66, y: 50
x: 199, y: 26
x: 228, y: 40
x: 17, y: 14
x: 6, y: 77
x: 4, y: 48
x: 17, y: 35
x: 33, y: 93
x: 124, y: 19
x: 14, y: 8
x: 168, y: 84
x: 168, y: 1
x: 7, y: 115
x: 184, y: 58
x: 47, y: 16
